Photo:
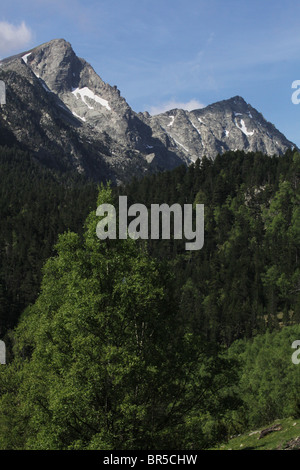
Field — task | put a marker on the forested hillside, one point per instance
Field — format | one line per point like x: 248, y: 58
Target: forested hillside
x: 36, y: 204
x: 140, y: 344
x: 246, y: 277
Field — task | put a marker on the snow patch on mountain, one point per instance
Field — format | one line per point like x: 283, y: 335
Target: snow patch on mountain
x: 79, y: 117
x: 87, y: 93
x: 178, y: 143
x: 243, y: 128
x: 195, y: 128
x: 172, y: 121
x: 25, y: 57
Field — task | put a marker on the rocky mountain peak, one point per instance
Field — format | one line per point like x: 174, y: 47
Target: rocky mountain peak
x: 230, y: 124
x: 61, y: 108
x: 56, y: 63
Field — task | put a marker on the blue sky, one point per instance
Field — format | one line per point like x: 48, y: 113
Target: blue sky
x: 175, y: 53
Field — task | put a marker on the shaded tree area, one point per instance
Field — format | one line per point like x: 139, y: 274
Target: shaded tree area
x: 269, y: 381
x: 103, y: 360
x: 36, y: 204
x: 140, y: 344
x: 246, y: 277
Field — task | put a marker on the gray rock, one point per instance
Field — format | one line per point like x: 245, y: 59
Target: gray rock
x: 63, y: 112
x: 227, y: 125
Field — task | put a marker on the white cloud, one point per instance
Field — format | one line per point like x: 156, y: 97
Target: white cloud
x: 173, y: 104
x: 13, y: 37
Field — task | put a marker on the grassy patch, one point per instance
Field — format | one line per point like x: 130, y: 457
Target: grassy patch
x: 275, y: 440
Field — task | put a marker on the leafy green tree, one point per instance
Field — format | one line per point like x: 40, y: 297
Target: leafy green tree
x: 269, y: 380
x: 102, y: 359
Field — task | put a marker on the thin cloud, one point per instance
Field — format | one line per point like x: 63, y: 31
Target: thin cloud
x: 173, y: 104
x: 13, y: 37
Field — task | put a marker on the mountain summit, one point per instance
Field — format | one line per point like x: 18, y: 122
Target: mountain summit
x: 68, y: 117
x: 226, y: 125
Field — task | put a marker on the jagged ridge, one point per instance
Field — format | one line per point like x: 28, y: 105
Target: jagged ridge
x: 69, y: 117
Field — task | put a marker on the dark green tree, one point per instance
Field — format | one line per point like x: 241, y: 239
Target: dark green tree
x: 103, y: 360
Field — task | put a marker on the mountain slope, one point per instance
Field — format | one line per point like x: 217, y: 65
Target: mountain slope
x: 227, y: 125
x: 69, y: 118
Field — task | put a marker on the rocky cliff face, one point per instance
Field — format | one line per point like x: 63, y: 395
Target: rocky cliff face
x: 63, y: 112
x: 227, y: 125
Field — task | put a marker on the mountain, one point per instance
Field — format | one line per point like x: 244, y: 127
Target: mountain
x: 69, y: 118
x: 227, y: 125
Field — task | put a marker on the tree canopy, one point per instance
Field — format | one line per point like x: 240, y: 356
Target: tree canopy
x: 103, y: 357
